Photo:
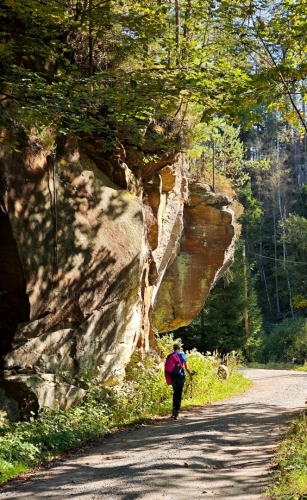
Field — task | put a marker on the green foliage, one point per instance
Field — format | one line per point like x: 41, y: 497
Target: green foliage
x: 274, y: 35
x: 290, y: 480
x: 218, y: 143
x: 302, y: 200
x: 143, y: 394
x: 94, y: 66
x: 295, y: 234
x: 25, y: 445
x: 220, y: 325
x: 287, y: 342
x: 253, y: 212
x: 144, y: 391
x: 272, y: 228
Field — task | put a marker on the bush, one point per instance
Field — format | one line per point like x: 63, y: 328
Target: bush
x: 287, y: 342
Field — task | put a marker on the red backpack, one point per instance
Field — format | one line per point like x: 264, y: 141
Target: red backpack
x: 172, y: 367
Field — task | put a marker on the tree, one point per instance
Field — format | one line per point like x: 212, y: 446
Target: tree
x: 274, y: 35
x: 273, y: 187
x: 220, y: 325
x: 295, y: 235
x: 218, y: 144
x: 93, y: 65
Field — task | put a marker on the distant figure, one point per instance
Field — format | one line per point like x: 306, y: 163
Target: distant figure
x: 175, y: 365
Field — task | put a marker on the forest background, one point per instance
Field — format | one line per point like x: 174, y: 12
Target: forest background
x: 224, y: 81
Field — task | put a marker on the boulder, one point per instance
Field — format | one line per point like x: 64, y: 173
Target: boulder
x: 28, y: 393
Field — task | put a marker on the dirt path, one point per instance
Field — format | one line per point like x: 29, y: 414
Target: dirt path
x: 223, y: 451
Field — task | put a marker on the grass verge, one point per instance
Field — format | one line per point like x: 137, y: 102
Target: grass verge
x: 143, y: 395
x: 274, y: 365
x: 290, y: 479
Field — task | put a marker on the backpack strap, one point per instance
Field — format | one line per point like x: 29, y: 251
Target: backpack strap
x: 178, y: 358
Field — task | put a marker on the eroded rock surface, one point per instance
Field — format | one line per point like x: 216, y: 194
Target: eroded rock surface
x: 206, y: 249
x: 96, y: 252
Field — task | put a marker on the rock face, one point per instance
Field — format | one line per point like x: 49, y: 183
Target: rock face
x: 94, y: 256
x: 206, y: 249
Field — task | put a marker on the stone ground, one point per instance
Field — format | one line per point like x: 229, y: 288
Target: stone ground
x: 221, y: 451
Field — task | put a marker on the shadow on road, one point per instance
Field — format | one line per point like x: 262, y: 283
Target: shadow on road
x: 220, y: 450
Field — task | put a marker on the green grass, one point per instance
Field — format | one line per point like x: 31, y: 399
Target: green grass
x: 220, y: 389
x: 9, y: 470
x: 290, y: 480
x: 143, y: 396
x: 301, y: 368
x: 274, y: 365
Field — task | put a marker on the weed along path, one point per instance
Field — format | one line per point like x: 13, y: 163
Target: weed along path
x: 223, y: 450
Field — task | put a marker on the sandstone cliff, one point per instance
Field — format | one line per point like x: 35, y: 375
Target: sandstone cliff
x: 96, y: 253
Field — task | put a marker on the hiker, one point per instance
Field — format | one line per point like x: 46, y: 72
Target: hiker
x: 175, y: 365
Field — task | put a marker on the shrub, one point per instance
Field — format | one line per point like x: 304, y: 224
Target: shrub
x: 286, y: 343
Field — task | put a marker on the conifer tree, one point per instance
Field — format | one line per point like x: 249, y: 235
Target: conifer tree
x: 221, y: 326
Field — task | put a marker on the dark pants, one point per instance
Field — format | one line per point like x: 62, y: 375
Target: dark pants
x: 177, y: 383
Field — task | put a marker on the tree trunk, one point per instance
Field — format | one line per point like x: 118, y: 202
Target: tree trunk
x: 284, y: 247
x: 245, y: 293
x: 177, y: 18
x: 276, y: 263
x: 90, y: 37
x: 262, y: 271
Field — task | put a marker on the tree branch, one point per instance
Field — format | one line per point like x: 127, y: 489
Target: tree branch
x: 288, y: 92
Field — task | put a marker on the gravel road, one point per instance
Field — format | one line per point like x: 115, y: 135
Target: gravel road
x: 220, y: 451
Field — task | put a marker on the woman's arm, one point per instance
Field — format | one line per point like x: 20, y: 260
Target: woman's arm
x: 186, y: 367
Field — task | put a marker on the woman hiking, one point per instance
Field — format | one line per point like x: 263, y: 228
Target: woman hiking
x: 175, y: 366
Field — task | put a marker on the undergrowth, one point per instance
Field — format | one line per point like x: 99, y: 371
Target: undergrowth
x: 290, y: 479
x: 143, y: 395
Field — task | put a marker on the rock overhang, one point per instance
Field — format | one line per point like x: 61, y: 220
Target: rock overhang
x: 105, y: 264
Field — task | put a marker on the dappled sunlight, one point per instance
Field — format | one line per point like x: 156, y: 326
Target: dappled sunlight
x: 221, y: 449
x: 81, y: 254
